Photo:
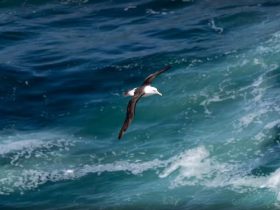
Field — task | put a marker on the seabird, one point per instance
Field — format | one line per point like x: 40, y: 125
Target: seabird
x: 136, y: 93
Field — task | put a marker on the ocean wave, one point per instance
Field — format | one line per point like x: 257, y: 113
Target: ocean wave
x: 21, y: 180
x: 193, y: 167
x: 197, y: 167
x: 41, y: 145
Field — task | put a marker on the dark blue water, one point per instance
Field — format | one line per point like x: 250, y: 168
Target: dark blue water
x: 210, y: 142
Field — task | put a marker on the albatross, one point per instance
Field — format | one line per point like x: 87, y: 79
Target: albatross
x: 136, y: 93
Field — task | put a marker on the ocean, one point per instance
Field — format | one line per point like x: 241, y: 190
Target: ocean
x: 211, y: 142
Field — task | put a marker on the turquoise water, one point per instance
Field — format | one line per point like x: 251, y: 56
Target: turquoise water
x: 210, y: 142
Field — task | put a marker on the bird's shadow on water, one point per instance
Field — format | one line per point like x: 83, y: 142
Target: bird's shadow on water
x: 270, y: 161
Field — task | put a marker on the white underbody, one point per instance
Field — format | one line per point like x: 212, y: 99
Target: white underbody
x: 148, y: 90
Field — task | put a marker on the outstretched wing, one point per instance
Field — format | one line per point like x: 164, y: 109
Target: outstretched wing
x: 130, y: 113
x: 151, y: 77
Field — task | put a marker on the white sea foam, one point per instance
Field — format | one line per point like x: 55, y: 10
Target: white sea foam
x: 27, y: 179
x: 26, y: 173
x: 129, y: 7
x: 191, y: 163
x: 253, y: 117
x: 192, y: 167
x: 213, y: 25
x: 197, y: 167
x: 125, y: 166
x: 22, y: 179
x: 214, y: 99
x: 272, y: 124
x: 257, y: 105
x: 152, y: 12
x: 7, y: 147
x: 22, y: 146
x: 31, y: 141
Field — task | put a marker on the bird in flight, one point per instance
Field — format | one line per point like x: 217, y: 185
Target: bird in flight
x: 136, y: 93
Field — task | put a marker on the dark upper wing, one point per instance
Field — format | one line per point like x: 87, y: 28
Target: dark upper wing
x: 130, y: 113
x: 151, y: 77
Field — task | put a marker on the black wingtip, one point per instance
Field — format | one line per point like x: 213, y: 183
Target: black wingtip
x: 167, y: 67
x: 120, y: 135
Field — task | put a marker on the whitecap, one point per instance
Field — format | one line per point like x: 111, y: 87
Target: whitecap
x: 192, y: 163
x: 22, y: 146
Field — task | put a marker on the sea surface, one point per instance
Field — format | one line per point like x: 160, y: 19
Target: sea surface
x: 211, y: 142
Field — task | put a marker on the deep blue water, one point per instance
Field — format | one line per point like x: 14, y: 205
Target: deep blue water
x: 210, y: 142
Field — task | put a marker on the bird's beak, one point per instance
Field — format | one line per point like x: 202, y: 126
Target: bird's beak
x: 159, y: 93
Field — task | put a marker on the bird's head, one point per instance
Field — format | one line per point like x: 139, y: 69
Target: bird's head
x: 155, y: 91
